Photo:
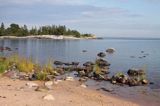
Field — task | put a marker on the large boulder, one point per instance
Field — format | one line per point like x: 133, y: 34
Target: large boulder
x: 102, y: 63
x: 133, y: 82
x: 135, y: 72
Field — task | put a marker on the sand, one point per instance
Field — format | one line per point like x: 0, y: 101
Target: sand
x: 66, y: 93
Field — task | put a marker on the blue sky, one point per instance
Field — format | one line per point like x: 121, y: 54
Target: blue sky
x: 113, y: 18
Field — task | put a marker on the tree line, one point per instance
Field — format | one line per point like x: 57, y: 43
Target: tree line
x: 16, y: 30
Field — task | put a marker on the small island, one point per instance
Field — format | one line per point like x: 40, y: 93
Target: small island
x: 48, y: 31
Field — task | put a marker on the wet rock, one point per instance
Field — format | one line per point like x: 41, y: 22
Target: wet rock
x: 49, y: 97
x: 135, y: 72
x: 107, y: 89
x: 67, y: 64
x: 84, y: 50
x: 151, y: 83
x: 132, y: 72
x: 81, y: 73
x: 119, y: 78
x: 32, y: 77
x: 58, y: 63
x: 98, y: 76
x: 71, y: 64
x: 110, y: 50
x: 87, y: 64
x: 75, y: 63
x: 102, y: 63
x: 101, y: 54
x: 31, y: 84
x: 133, y: 82
x: 8, y: 48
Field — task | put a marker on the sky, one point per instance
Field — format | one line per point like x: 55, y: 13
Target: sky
x: 107, y: 18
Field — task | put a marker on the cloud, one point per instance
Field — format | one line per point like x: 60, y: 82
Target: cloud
x: 27, y: 2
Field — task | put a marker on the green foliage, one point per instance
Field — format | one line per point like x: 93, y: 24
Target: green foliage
x: 2, y: 29
x: 97, y: 69
x: 25, y: 65
x: 119, y: 74
x: 41, y: 75
x: 16, y: 30
x: 4, y: 64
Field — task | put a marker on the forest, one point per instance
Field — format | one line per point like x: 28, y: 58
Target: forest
x: 19, y: 31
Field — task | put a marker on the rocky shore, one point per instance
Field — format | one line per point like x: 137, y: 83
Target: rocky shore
x: 60, y: 37
x: 34, y: 78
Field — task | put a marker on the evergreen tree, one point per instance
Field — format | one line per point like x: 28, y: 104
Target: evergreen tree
x: 2, y: 29
x: 16, y: 30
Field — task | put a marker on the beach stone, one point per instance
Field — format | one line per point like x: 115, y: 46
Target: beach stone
x: 69, y: 79
x: 48, y: 84
x: 11, y: 74
x: 83, y: 86
x: 31, y: 84
x: 144, y: 81
x: 49, y: 97
x: 57, y: 81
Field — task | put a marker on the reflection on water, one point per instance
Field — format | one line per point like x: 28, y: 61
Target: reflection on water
x: 128, y: 52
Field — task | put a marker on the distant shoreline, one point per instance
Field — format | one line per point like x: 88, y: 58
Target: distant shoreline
x: 60, y: 37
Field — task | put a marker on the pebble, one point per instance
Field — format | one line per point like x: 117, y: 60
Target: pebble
x: 48, y: 84
x: 69, y: 79
x: 83, y: 86
x: 49, y: 97
x: 31, y: 84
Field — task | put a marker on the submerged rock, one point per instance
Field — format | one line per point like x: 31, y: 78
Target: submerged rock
x: 110, y: 50
x: 84, y: 50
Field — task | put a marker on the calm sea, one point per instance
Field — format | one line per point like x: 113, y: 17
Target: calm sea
x: 130, y: 53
